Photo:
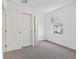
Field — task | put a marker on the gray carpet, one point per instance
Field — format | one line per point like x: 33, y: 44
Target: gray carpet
x: 43, y: 50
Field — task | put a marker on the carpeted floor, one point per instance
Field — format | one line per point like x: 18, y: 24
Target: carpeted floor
x: 43, y: 50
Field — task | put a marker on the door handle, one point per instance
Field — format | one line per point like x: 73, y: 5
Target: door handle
x: 20, y: 32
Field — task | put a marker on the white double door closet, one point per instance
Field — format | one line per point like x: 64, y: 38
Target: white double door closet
x: 18, y: 31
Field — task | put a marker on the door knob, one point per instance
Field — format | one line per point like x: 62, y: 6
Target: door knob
x: 20, y: 32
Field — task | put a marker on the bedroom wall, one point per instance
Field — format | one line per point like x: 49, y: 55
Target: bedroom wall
x: 68, y: 38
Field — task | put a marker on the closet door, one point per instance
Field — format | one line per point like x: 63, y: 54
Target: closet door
x: 26, y: 30
x: 18, y: 31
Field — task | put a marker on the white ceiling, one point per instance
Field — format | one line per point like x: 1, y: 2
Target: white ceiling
x: 35, y: 5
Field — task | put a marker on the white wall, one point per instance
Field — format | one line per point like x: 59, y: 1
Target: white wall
x: 68, y: 38
x: 40, y: 23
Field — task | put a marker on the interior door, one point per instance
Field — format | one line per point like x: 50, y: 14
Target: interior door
x: 18, y: 30
x: 26, y: 29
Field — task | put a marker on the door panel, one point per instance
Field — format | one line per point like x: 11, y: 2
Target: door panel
x: 18, y: 33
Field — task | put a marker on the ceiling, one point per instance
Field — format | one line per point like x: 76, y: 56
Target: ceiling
x: 35, y: 5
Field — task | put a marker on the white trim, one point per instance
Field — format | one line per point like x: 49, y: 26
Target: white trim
x: 33, y: 37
